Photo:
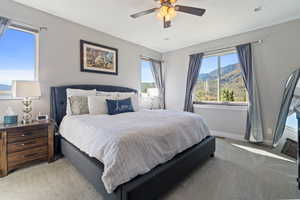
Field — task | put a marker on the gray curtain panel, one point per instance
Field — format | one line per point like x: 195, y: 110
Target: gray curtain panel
x: 157, y: 71
x: 285, y: 105
x: 192, y: 77
x: 4, y: 22
x: 254, y: 126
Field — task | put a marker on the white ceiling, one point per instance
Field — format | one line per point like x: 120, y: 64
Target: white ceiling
x: 223, y: 18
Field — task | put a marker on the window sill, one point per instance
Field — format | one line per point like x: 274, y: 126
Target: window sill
x: 18, y: 99
x: 9, y: 99
x: 222, y: 106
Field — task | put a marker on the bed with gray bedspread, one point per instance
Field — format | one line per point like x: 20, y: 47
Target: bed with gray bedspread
x: 133, y: 177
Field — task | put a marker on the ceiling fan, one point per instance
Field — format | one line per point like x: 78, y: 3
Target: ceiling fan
x: 168, y: 10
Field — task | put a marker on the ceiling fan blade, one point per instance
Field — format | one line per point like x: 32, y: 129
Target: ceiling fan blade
x: 190, y: 10
x: 146, y: 12
x: 167, y: 24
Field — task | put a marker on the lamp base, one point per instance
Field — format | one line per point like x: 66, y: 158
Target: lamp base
x: 26, y: 121
x: 27, y: 116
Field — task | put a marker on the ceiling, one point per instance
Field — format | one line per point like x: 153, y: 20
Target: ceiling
x: 223, y: 18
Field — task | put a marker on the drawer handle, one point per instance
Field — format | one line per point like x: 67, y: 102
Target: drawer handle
x: 26, y: 134
x: 30, y: 155
x: 28, y: 143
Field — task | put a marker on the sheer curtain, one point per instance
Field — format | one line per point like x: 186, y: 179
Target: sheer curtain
x: 254, y: 126
x: 4, y: 22
x: 157, y: 71
x: 192, y: 77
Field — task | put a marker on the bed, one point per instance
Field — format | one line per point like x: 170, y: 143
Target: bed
x: 148, y: 186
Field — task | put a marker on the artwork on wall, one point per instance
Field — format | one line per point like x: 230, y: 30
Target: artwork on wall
x: 97, y: 58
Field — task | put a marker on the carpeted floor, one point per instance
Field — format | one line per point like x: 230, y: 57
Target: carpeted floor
x: 238, y: 171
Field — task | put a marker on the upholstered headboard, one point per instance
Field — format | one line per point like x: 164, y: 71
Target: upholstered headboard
x: 59, y: 97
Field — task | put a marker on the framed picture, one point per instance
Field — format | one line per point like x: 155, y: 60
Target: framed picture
x: 97, y: 58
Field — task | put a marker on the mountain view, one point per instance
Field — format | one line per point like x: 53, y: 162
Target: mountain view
x: 5, y: 87
x: 5, y: 91
x: 231, y: 84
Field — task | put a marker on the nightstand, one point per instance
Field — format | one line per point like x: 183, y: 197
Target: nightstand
x: 25, y: 144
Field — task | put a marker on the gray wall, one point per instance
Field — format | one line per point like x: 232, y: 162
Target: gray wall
x: 274, y: 60
x: 224, y: 121
x: 59, y: 54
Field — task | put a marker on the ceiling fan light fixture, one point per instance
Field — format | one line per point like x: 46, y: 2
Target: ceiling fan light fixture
x: 163, y: 11
x: 168, y: 9
x: 172, y: 12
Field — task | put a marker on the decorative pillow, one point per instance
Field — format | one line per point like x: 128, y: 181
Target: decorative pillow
x: 79, y: 105
x: 77, y: 92
x: 119, y: 106
x: 134, y: 99
x: 97, y: 105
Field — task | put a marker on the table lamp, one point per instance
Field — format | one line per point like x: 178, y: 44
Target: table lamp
x: 26, y: 90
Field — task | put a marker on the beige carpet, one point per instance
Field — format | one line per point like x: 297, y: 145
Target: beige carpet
x: 239, y: 171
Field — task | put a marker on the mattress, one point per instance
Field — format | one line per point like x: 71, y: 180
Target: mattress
x: 131, y: 144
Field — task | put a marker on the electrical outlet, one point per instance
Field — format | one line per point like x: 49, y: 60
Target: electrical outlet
x: 269, y: 131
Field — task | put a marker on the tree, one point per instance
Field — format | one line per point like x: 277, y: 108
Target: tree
x: 227, y: 95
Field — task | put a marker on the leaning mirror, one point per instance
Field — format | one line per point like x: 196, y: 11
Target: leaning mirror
x: 286, y: 127
x: 286, y: 132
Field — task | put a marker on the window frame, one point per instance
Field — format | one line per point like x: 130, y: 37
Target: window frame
x: 37, y: 52
x: 221, y: 103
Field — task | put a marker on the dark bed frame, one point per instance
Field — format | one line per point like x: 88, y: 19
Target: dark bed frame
x: 149, y: 186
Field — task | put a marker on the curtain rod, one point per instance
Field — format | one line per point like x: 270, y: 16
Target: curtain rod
x: 150, y: 59
x: 26, y: 26
x: 208, y: 52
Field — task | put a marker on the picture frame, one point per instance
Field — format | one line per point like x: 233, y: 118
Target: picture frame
x: 96, y: 58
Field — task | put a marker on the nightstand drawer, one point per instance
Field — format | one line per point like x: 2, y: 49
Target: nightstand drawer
x: 26, y: 135
x: 28, y: 144
x: 18, y: 159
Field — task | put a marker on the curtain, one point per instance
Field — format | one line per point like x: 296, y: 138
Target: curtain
x: 285, y: 105
x: 4, y: 22
x: 192, y: 77
x: 254, y: 126
x: 158, y: 75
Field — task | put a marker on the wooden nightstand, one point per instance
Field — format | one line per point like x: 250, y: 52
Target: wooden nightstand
x: 25, y: 144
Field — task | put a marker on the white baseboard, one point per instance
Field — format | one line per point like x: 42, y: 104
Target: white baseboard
x: 227, y: 135
x: 235, y: 136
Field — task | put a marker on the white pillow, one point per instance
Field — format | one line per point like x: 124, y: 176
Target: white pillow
x: 134, y: 99
x: 97, y: 105
x: 110, y: 95
x: 77, y: 92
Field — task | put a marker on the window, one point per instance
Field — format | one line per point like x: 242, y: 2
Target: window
x: 220, y: 80
x: 148, y: 87
x: 149, y: 91
x: 17, y: 58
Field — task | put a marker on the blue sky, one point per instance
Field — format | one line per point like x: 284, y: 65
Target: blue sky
x: 17, y: 56
x: 211, y: 63
x: 147, y: 76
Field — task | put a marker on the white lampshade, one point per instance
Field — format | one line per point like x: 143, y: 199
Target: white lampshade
x: 22, y: 89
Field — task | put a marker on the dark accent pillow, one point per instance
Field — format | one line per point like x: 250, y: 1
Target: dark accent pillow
x: 119, y: 106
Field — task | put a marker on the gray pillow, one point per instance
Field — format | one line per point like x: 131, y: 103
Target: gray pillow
x: 79, y: 105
